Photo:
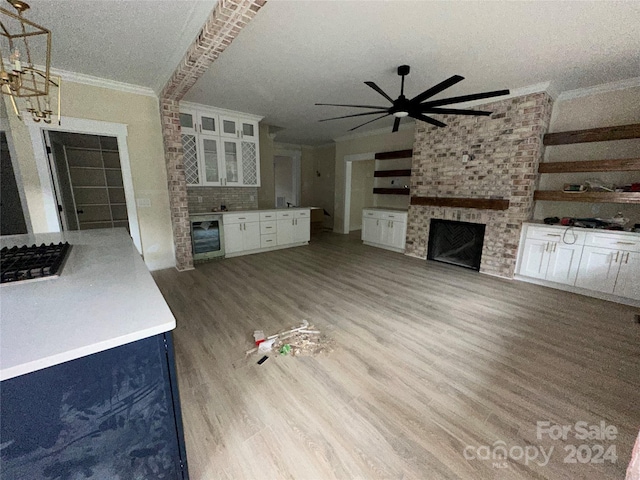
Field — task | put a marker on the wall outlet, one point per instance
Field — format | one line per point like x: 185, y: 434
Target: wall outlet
x: 252, y: 198
x: 143, y: 202
x: 199, y: 199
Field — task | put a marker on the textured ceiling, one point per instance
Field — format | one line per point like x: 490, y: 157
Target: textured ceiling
x: 139, y: 42
x: 296, y: 53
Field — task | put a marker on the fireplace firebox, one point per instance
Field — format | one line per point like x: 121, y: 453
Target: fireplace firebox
x: 457, y: 243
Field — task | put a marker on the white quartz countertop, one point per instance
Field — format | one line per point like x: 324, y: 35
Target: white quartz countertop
x: 540, y: 223
x: 105, y: 297
x: 251, y: 211
x: 387, y: 209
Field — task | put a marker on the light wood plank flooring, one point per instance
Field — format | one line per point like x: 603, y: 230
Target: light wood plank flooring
x: 430, y: 359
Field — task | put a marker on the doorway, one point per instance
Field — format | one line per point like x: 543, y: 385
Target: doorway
x: 12, y: 221
x: 87, y: 180
x: 286, y: 172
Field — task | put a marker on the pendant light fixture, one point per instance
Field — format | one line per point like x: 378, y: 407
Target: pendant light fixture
x: 25, y: 77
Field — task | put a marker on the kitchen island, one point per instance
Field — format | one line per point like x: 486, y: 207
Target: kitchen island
x: 89, y: 386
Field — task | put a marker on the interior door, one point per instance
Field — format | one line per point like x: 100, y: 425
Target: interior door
x: 87, y: 177
x: 12, y: 221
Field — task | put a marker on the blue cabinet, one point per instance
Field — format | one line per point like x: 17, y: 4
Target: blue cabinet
x: 114, y: 414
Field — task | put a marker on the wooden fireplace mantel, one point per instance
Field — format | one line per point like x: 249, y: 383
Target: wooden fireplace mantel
x: 479, y: 203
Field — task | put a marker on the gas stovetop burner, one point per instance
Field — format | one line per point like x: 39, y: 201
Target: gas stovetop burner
x: 30, y: 263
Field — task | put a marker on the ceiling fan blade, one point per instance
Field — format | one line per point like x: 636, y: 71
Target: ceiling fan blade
x: 396, y: 125
x: 354, y: 106
x: 455, y: 111
x: 430, y: 120
x: 354, y: 115
x: 370, y: 121
x: 449, y: 82
x: 379, y: 90
x: 465, y: 98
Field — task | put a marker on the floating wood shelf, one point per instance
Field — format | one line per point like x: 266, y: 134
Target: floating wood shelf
x: 392, y: 173
x: 588, y: 197
x: 479, y: 203
x: 391, y: 191
x: 619, y: 165
x: 394, y: 155
x: 620, y: 132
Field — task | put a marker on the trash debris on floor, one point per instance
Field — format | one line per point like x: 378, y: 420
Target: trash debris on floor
x: 303, y: 340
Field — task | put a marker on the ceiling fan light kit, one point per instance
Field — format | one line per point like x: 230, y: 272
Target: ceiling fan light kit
x: 418, y: 106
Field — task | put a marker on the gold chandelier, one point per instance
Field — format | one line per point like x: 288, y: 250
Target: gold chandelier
x: 25, y: 74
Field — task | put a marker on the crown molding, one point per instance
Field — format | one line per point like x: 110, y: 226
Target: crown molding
x: 75, y: 77
x: 602, y: 88
x: 218, y: 110
x: 377, y: 131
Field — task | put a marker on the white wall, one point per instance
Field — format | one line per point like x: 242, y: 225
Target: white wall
x: 618, y: 107
x: 146, y: 153
x: 377, y: 142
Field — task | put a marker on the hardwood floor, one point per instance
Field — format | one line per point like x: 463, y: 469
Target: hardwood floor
x: 430, y: 359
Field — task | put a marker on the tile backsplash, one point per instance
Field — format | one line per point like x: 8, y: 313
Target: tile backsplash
x: 235, y: 198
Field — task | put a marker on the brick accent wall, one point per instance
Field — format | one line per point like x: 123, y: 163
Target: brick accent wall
x: 224, y: 24
x: 235, y: 198
x: 506, y: 149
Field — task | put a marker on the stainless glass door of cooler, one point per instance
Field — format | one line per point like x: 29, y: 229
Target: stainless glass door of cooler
x: 207, y: 236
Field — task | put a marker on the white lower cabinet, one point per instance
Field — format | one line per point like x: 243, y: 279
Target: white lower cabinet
x: 600, y: 261
x: 550, y: 260
x: 384, y: 228
x: 253, y: 232
x: 610, y: 271
x: 628, y: 282
x: 241, y: 232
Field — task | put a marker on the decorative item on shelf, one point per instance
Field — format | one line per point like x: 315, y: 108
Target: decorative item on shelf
x: 574, y: 188
x: 26, y: 77
x: 597, y: 185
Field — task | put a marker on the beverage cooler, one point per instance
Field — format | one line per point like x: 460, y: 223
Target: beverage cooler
x: 207, y: 236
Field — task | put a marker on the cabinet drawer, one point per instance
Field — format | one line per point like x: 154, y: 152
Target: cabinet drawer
x: 371, y: 214
x: 247, y: 217
x: 268, y: 240
x: 614, y: 241
x: 284, y: 215
x: 264, y: 216
x: 268, y: 227
x: 395, y: 216
x: 572, y: 236
x: 302, y: 214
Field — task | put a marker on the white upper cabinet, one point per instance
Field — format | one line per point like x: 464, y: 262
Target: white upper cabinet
x: 221, y: 147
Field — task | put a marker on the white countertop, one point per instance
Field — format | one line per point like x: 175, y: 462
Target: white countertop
x: 387, y: 209
x: 105, y: 297
x: 250, y: 211
x: 540, y: 223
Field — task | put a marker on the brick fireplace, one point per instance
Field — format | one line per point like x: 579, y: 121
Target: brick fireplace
x: 504, y: 151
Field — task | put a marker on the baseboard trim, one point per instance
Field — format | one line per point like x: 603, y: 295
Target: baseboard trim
x: 262, y: 250
x: 580, y: 291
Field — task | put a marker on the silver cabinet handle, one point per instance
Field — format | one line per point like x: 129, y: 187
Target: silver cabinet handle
x: 552, y: 235
x: 627, y: 259
x: 625, y: 243
x: 377, y: 222
x: 555, y: 246
x: 546, y: 247
x: 617, y: 254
